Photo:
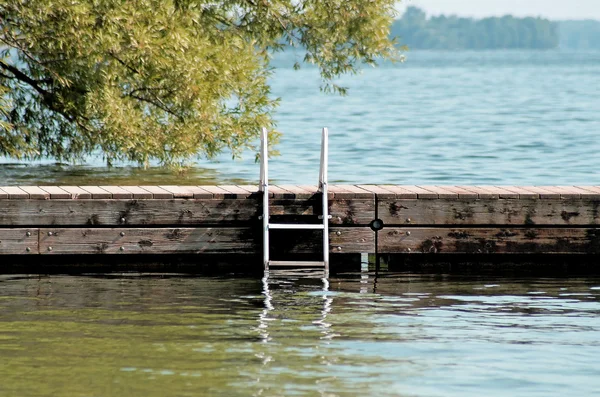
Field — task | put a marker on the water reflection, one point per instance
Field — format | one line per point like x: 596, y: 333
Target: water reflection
x: 298, y: 333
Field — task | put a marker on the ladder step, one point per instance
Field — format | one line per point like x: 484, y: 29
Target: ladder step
x: 297, y: 263
x: 296, y: 226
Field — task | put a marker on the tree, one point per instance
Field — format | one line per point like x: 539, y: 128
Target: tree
x: 166, y: 80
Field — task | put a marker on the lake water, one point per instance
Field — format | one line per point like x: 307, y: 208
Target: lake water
x: 398, y: 335
x: 503, y: 117
x: 440, y: 118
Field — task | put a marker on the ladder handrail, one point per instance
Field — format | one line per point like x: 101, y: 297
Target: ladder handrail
x: 264, y: 187
x: 324, y: 190
x: 322, y: 186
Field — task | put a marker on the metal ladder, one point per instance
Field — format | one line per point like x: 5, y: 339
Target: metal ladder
x: 267, y: 226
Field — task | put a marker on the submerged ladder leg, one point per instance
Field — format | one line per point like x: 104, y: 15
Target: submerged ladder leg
x: 267, y: 226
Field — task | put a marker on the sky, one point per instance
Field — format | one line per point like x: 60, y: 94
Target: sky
x: 551, y: 9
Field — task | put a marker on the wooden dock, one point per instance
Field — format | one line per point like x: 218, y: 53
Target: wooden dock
x: 417, y: 220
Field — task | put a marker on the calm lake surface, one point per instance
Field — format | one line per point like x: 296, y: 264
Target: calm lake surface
x: 503, y: 117
x: 399, y: 335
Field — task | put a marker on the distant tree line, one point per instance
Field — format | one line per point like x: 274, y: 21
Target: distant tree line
x: 579, y: 35
x: 451, y: 32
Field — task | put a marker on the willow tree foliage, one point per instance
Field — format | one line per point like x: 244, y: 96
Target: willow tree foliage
x: 166, y: 80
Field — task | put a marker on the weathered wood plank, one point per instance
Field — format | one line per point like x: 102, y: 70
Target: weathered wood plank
x: 174, y: 211
x: 490, y: 240
x: 543, y: 192
x: 591, y: 192
x: 348, y: 192
x: 441, y: 192
x: 118, y: 193
x: 489, y: 212
x: 299, y: 192
x: 400, y: 192
x: 421, y: 193
x: 157, y: 192
x: 358, y: 211
x: 57, y: 192
x: 216, y: 191
x: 483, y: 192
x: 138, y: 192
x: 251, y: 188
x: 97, y: 192
x: 18, y: 241
x: 14, y: 193
x: 35, y: 193
x: 73, y: 192
x: 462, y: 193
x: 379, y: 191
x: 236, y: 191
x: 194, y: 241
x: 513, y: 192
x: 178, y: 191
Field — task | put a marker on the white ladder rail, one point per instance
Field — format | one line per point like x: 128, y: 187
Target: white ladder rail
x: 266, y: 225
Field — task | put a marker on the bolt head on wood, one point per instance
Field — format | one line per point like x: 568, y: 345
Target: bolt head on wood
x: 28, y: 249
x: 408, y: 233
x: 408, y: 220
x: 122, y: 248
x: 28, y: 234
x: 338, y: 233
x: 49, y: 233
x: 408, y: 250
x: 49, y: 248
x: 122, y: 234
x: 339, y: 248
x: 122, y: 220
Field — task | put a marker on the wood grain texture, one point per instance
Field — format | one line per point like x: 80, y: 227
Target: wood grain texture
x: 174, y: 211
x: 18, y: 242
x: 490, y: 240
x: 56, y: 241
x: 489, y: 212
